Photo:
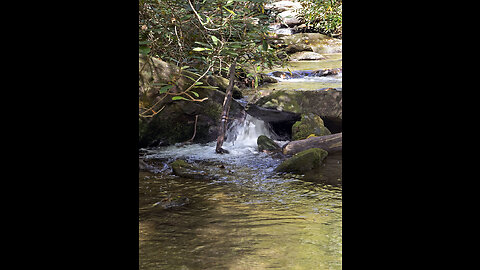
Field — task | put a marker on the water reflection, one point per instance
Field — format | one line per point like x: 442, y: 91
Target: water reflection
x: 281, y: 223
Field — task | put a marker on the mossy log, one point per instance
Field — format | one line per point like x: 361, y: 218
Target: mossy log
x: 330, y: 143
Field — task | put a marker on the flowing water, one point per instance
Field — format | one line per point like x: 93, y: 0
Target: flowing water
x: 245, y: 216
x: 333, y: 60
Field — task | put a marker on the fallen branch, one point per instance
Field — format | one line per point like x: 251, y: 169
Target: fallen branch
x: 330, y: 143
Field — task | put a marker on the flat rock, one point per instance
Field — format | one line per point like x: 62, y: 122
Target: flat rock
x: 301, y: 56
x: 281, y: 6
x: 289, y: 18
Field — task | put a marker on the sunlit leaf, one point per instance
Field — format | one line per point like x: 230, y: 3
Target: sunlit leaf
x: 178, y: 98
x: 195, y: 93
x: 229, y: 10
x: 197, y: 49
x: 215, y: 40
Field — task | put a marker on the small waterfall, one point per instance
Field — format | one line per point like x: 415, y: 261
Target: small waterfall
x: 245, y: 133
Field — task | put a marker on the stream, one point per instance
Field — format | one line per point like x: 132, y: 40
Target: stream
x: 246, y: 216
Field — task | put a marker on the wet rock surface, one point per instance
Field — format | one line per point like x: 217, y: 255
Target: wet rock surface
x: 304, y: 161
x: 267, y: 144
x: 310, y: 125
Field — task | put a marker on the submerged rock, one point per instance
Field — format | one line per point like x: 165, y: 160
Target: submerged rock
x: 183, y: 169
x: 172, y: 202
x: 304, y: 161
x: 266, y: 144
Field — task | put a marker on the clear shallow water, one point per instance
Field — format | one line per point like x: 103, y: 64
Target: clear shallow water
x: 245, y: 217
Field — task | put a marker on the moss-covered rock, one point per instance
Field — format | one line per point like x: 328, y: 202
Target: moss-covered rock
x: 183, y: 169
x: 308, y: 125
x: 265, y: 143
x: 304, y: 161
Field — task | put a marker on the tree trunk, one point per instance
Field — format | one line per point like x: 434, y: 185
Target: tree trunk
x: 226, y: 110
x: 330, y: 143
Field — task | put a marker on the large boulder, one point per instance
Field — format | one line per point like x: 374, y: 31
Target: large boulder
x: 322, y: 102
x: 304, y: 161
x: 282, y: 108
x: 310, y: 124
x: 289, y: 17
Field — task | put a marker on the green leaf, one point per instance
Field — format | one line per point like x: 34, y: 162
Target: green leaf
x: 195, y: 93
x: 186, y: 76
x: 165, y: 89
x: 197, y: 49
x: 203, y: 43
x: 229, y: 10
x: 215, y: 40
x: 178, y: 98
